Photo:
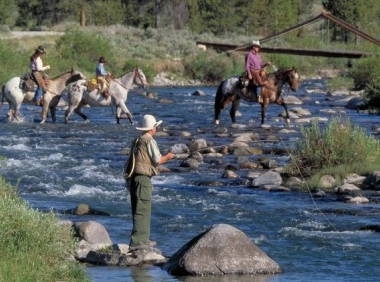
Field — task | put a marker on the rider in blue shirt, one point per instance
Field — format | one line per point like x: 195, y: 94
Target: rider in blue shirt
x: 101, y: 76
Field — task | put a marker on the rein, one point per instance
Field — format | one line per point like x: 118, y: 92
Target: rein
x: 136, y: 74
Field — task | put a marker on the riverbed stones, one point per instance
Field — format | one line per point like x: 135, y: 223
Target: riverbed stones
x: 198, y: 144
x: 180, y: 148
x: 196, y: 156
x: 198, y: 93
x: 346, y: 188
x: 327, y: 181
x: 267, y: 178
x: 93, y: 232
x: 355, y: 103
x: 292, y: 100
x: 229, y: 174
x: 293, y: 182
x: 190, y: 162
x: 84, y: 209
x: 355, y: 179
x: 358, y: 200
x: 221, y: 250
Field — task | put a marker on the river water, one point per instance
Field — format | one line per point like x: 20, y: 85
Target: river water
x: 58, y: 166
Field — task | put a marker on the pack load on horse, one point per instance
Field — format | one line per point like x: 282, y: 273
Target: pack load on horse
x: 235, y: 88
x: 21, y: 89
x: 80, y: 94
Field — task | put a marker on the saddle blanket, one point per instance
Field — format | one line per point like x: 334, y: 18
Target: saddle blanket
x: 229, y: 84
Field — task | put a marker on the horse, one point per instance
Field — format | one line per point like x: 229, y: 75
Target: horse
x: 234, y: 88
x: 79, y: 96
x: 15, y: 94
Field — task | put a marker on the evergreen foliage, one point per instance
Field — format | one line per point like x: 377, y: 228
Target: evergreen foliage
x: 248, y: 17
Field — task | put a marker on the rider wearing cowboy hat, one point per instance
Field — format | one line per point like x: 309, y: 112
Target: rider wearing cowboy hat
x: 37, y: 66
x: 253, y: 66
x: 102, y: 77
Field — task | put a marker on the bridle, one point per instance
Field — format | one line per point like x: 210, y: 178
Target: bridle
x: 136, y: 76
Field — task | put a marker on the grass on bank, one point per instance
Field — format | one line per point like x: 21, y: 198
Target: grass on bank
x: 33, y: 245
x: 337, y: 150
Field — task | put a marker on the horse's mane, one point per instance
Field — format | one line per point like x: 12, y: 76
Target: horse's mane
x: 63, y: 74
x: 282, y: 70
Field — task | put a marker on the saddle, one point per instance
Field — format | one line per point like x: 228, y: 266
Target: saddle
x: 248, y: 88
x: 27, y: 82
x: 92, y: 84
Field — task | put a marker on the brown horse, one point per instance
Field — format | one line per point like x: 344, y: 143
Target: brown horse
x: 233, y: 88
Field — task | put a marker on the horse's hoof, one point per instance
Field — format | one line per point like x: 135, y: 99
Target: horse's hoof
x: 86, y: 121
x: 216, y: 122
x: 287, y: 122
x: 42, y: 122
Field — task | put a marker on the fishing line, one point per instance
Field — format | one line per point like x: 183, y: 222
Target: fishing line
x: 316, y: 206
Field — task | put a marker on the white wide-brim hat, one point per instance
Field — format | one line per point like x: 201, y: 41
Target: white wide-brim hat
x: 148, y: 123
x: 255, y: 43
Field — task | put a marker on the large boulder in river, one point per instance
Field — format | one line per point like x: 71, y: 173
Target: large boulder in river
x: 356, y: 103
x: 220, y: 250
x: 267, y: 178
x: 92, y: 232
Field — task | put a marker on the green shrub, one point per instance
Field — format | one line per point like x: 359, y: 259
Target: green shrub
x: 82, y: 50
x: 212, y: 67
x: 372, y: 93
x: 12, y: 61
x: 33, y: 245
x: 365, y: 72
x: 341, y: 148
x: 340, y: 82
x: 144, y: 65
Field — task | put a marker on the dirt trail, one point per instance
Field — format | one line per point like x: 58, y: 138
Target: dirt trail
x: 20, y: 34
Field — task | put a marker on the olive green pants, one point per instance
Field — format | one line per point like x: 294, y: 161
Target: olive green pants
x: 141, y: 202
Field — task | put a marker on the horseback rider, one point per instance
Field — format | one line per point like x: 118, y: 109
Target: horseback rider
x: 254, y: 65
x: 102, y: 77
x: 37, y: 66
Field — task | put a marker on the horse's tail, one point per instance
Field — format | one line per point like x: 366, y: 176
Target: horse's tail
x: 218, y: 105
x: 2, y: 97
x: 219, y: 97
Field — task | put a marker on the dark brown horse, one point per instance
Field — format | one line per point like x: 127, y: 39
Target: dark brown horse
x: 233, y: 88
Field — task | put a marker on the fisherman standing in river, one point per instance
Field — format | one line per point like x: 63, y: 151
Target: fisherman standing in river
x: 143, y: 158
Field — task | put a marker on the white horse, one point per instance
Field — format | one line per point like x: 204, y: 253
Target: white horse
x: 79, y: 96
x: 15, y: 95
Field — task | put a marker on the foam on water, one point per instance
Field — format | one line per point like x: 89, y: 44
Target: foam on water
x: 294, y: 231
x: 17, y: 147
x: 167, y: 179
x: 53, y: 157
x: 78, y: 189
